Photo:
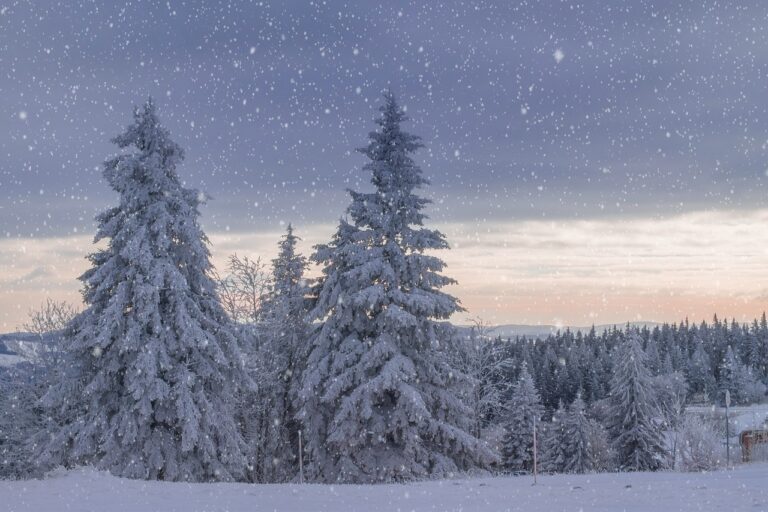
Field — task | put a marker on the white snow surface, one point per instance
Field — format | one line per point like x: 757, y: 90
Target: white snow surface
x: 10, y: 359
x: 740, y: 489
x: 744, y: 417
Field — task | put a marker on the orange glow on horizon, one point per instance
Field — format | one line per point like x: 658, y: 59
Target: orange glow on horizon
x: 564, y: 272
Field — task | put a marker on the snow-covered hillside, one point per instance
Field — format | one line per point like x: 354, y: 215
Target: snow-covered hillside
x: 22, y: 345
x: 743, y: 417
x: 741, y: 489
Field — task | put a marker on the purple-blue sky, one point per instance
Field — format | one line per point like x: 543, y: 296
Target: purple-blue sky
x: 590, y: 161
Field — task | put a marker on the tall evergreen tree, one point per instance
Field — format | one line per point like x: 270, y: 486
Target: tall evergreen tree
x: 654, y: 358
x: 380, y: 400
x: 585, y: 439
x: 525, y: 405
x: 739, y: 380
x: 154, y: 366
x: 634, y: 411
x: 549, y: 377
x: 284, y: 354
x: 553, y: 443
x: 699, y: 372
x: 762, y: 340
x: 753, y: 352
x: 573, y: 443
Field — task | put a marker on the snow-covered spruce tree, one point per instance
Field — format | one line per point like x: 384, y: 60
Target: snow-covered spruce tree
x: 380, y: 400
x: 284, y: 354
x: 755, y: 350
x: 154, y: 365
x: 654, y: 358
x: 552, y: 446
x: 524, y: 405
x: 739, y: 380
x: 757, y: 354
x: 572, y: 442
x: 634, y: 413
x: 584, y: 440
x: 699, y: 372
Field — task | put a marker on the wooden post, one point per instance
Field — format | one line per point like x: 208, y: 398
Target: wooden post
x: 727, y: 430
x: 301, y: 461
x: 535, y: 461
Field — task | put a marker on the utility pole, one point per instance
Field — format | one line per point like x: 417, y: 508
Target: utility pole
x: 535, y: 461
x: 727, y: 430
x: 301, y: 461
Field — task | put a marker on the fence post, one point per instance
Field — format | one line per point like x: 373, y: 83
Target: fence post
x: 301, y: 461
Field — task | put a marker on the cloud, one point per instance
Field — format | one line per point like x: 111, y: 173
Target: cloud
x: 612, y: 270
x: 38, y: 275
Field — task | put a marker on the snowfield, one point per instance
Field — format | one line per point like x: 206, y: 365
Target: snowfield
x: 744, y: 417
x: 744, y: 488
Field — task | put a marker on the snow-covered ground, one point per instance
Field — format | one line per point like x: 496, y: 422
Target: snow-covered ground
x: 10, y: 359
x: 741, y: 489
x: 742, y: 417
x: 745, y: 417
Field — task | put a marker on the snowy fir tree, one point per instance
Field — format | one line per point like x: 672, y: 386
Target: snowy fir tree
x: 552, y: 446
x: 549, y: 379
x: 634, y: 413
x: 574, y: 443
x: 153, y: 365
x: 282, y: 355
x: 731, y: 377
x: 380, y: 399
x: 737, y: 378
x: 653, y: 357
x: 524, y: 406
x: 699, y: 372
x: 585, y: 440
x: 757, y: 349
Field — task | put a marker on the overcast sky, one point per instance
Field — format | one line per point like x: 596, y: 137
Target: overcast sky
x: 590, y: 161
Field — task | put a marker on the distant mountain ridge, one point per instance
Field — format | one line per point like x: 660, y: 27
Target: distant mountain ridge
x: 16, y: 347
x: 24, y: 343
